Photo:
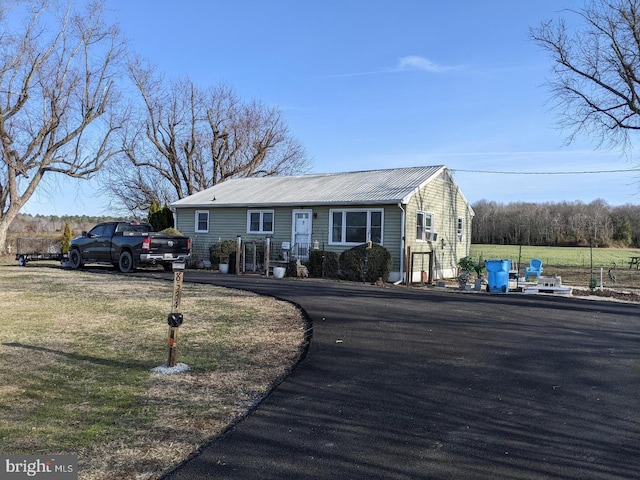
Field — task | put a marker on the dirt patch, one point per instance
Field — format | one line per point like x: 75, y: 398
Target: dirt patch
x: 623, y: 296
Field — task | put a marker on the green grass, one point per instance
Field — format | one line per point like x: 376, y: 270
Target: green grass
x: 558, y: 256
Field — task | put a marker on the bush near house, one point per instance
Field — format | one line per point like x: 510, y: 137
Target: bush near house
x: 292, y: 269
x: 172, y: 231
x: 352, y: 262
x: 331, y: 264
x: 219, y: 252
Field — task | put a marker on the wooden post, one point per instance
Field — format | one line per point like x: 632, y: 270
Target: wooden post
x: 408, y: 265
x: 255, y: 256
x: 178, y: 278
x: 238, y: 254
x: 431, y: 268
x: 173, y: 346
x: 267, y: 254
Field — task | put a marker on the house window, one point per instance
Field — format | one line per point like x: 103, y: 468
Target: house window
x: 260, y: 221
x: 460, y: 228
x: 202, y: 221
x: 355, y: 226
x: 424, y: 226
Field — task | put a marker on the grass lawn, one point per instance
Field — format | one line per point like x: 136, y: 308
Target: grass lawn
x: 565, y: 256
x: 78, y: 349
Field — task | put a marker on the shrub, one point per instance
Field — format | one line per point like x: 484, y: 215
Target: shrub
x: 378, y: 265
x: 219, y: 252
x: 292, y: 269
x: 172, y: 231
x: 468, y: 264
x: 330, y: 264
x: 66, y: 238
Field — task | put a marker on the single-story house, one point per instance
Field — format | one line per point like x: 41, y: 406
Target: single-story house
x: 417, y: 213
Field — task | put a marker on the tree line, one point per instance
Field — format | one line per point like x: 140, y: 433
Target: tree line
x: 35, y: 225
x: 556, y: 224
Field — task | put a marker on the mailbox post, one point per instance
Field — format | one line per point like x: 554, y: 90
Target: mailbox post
x: 175, y: 317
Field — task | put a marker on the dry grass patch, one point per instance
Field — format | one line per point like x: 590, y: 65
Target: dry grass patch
x: 78, y: 349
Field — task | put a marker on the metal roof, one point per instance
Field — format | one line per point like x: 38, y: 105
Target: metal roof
x: 395, y: 185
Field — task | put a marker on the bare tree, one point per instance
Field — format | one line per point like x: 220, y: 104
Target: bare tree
x: 57, y: 69
x: 189, y: 139
x: 596, y: 68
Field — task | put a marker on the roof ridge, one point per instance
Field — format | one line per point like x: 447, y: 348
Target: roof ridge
x: 415, y: 167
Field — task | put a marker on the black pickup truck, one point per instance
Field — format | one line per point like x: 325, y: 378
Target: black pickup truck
x: 127, y: 245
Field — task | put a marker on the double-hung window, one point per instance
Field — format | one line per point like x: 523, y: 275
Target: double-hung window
x: 424, y: 226
x: 260, y: 221
x: 202, y: 221
x: 355, y: 226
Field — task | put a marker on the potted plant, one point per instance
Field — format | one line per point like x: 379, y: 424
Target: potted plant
x: 468, y: 266
x: 223, y: 266
x: 220, y: 252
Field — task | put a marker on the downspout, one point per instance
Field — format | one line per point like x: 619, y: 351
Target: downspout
x: 402, y: 242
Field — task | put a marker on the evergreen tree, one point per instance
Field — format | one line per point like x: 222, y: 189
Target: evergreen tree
x: 66, y: 238
x: 160, y: 217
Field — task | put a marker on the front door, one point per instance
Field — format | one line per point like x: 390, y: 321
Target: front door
x: 301, y: 234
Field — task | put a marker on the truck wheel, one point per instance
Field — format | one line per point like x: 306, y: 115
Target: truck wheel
x: 75, y: 259
x: 126, y: 262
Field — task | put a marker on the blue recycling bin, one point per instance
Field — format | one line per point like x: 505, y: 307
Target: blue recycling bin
x: 498, y: 271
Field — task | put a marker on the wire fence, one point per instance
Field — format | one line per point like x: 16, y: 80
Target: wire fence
x: 577, y: 266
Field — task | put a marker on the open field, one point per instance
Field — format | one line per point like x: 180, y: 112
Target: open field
x: 576, y: 265
x: 78, y: 350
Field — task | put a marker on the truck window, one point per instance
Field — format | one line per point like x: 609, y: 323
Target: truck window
x: 109, y: 228
x: 96, y: 231
x: 132, y: 227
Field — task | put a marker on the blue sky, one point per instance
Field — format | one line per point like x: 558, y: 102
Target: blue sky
x: 380, y: 84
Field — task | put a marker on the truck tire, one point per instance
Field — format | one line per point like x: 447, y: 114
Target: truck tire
x: 75, y: 259
x: 125, y: 264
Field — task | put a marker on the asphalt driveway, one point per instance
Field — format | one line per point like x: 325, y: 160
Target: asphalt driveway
x: 413, y: 384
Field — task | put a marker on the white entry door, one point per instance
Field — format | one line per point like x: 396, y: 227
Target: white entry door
x: 301, y: 234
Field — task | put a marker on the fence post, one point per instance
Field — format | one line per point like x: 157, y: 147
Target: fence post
x: 408, y: 266
x: 238, y: 253
x: 267, y: 254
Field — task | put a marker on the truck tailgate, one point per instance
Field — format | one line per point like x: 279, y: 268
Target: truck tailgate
x: 175, y: 245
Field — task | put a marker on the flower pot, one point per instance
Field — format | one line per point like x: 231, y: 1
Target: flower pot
x: 279, y: 272
x: 224, y: 268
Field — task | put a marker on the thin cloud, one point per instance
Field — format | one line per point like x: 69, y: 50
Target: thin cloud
x: 415, y: 62
x: 410, y: 63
